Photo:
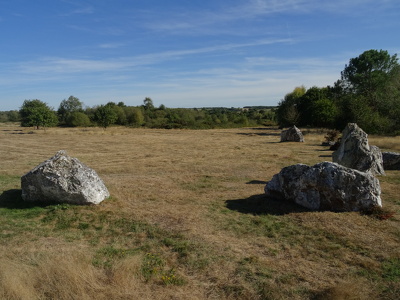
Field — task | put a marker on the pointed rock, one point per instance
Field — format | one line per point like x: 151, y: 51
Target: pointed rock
x: 293, y: 134
x: 356, y: 153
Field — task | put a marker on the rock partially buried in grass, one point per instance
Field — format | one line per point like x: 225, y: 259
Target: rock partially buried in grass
x: 326, y: 186
x: 63, y: 179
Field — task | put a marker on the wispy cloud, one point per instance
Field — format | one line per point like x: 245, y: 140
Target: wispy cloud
x: 219, y: 20
x: 67, y: 65
x: 79, y: 9
x: 111, y: 45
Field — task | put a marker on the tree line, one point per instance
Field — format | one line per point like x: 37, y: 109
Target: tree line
x: 72, y: 113
x: 368, y: 93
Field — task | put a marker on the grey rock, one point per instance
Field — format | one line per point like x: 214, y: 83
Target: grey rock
x: 326, y: 186
x: 63, y: 179
x: 391, y: 160
x: 293, y: 134
x: 355, y: 152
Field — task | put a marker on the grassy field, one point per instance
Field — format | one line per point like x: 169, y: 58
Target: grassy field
x: 187, y: 219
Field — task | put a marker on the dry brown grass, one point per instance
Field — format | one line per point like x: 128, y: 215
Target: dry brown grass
x: 187, y: 220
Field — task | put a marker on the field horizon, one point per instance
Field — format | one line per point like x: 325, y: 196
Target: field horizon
x: 188, y: 219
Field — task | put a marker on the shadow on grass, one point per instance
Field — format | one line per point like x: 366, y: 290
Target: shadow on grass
x: 12, y: 199
x: 263, y: 205
x: 267, y: 131
x: 256, y: 182
x: 261, y: 134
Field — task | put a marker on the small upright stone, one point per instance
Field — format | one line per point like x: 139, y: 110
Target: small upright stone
x: 63, y: 179
x: 356, y: 153
x: 293, y: 134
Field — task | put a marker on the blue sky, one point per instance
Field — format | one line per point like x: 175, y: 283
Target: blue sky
x: 183, y: 53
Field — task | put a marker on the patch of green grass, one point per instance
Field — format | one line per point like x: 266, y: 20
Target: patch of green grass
x: 9, y: 181
x: 203, y: 183
x: 194, y: 255
x: 259, y: 225
x: 391, y: 177
x: 391, y: 270
x: 106, y: 256
x: 170, y: 278
x: 179, y: 245
x: 152, y: 265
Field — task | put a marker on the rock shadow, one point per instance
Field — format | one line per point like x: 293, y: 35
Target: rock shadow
x: 263, y: 205
x: 16, y: 131
x: 256, y: 182
x: 12, y: 199
x: 267, y: 132
x: 260, y: 133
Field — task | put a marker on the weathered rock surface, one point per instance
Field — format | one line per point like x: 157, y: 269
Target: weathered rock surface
x: 326, y: 186
x: 293, y: 134
x: 356, y: 153
x: 391, y: 160
x: 63, y: 179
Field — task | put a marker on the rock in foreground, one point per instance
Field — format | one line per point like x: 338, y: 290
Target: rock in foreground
x: 356, y: 153
x: 63, y: 179
x: 326, y: 186
x: 293, y: 134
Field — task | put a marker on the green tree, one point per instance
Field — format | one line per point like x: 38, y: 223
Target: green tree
x: 67, y: 107
x: 134, y: 116
x: 306, y: 104
x: 120, y: 112
x: 368, y: 72
x: 79, y: 119
x: 324, y: 113
x: 13, y: 116
x: 36, y: 113
x: 287, y: 112
x: 105, y: 115
x: 370, y: 87
x: 148, y: 103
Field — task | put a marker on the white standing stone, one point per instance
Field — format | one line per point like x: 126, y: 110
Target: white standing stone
x: 63, y: 179
x: 356, y: 153
x: 326, y: 186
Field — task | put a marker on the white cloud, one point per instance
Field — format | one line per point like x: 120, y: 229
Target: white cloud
x: 66, y: 65
x: 111, y: 45
x: 211, y: 22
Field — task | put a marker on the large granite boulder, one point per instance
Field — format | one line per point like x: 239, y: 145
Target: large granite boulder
x: 326, y: 186
x: 63, y: 179
x: 293, y: 134
x: 355, y: 152
x: 391, y: 160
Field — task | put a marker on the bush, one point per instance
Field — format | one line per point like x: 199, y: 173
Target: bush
x: 79, y: 119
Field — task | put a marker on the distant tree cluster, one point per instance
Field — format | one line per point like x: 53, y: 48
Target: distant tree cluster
x: 71, y: 113
x: 368, y: 93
